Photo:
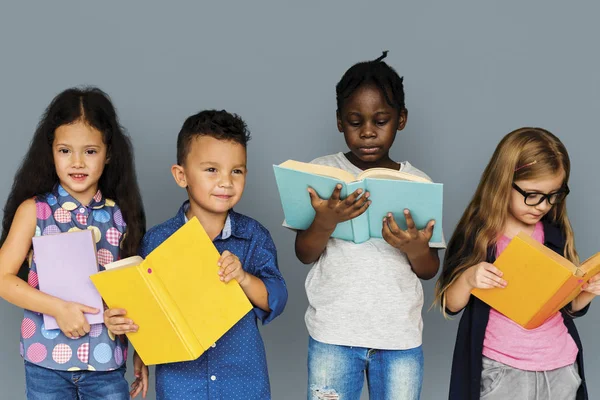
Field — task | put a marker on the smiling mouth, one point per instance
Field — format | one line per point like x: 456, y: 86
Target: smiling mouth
x: 78, y: 177
x: 223, y: 196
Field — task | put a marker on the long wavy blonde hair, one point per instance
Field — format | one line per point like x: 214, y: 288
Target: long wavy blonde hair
x: 523, y: 154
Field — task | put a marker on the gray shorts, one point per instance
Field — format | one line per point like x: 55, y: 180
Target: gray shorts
x: 500, y: 382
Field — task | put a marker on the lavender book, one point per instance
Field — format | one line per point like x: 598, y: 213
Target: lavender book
x: 64, y: 264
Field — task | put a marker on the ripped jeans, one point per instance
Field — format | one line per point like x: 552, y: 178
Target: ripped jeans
x: 338, y: 372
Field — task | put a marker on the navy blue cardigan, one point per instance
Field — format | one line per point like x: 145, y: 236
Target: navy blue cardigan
x: 465, y: 381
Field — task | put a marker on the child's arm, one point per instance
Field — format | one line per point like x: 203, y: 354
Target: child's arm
x: 424, y: 261
x: 141, y: 373
x: 255, y: 289
x: 14, y: 251
x: 482, y: 276
x: 589, y: 291
x: 311, y: 243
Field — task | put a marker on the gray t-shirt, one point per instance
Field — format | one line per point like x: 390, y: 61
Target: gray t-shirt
x: 364, y: 295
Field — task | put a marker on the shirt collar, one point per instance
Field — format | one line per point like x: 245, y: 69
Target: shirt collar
x: 233, y: 224
x: 70, y: 203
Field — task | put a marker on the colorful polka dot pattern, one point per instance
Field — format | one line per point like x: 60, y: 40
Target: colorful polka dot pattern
x: 235, y: 368
x: 98, y: 351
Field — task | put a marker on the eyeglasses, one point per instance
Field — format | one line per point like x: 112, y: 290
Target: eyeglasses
x: 535, y: 198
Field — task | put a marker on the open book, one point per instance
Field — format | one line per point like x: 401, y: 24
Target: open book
x: 540, y: 281
x: 390, y: 191
x: 64, y: 264
x: 175, y: 296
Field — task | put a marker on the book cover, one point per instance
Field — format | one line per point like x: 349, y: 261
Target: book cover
x: 175, y: 296
x: 64, y: 264
x: 539, y: 281
x: 390, y: 191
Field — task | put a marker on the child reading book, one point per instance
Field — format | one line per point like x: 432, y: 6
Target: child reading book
x: 523, y: 189
x: 365, y: 299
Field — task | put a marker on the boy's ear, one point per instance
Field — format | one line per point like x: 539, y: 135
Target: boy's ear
x: 402, y: 118
x: 179, y: 175
x: 339, y: 120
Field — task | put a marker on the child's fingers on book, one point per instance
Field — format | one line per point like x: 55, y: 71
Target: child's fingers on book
x: 395, y: 229
x: 335, y: 195
x: 359, y: 209
x: 410, y: 223
x: 492, y: 268
x: 498, y: 282
x: 111, y: 312
x: 361, y: 201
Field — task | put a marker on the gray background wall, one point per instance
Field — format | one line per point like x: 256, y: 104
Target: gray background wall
x: 473, y: 72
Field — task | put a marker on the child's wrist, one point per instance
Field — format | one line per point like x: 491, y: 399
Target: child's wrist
x: 466, y: 278
x: 419, y: 253
x: 322, y: 225
x: 244, y: 281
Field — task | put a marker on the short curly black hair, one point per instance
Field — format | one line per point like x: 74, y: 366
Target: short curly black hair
x: 218, y: 124
x: 377, y: 73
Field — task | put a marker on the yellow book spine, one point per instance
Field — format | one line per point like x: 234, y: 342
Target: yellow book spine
x: 172, y: 311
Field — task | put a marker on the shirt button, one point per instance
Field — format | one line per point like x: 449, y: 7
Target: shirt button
x: 213, y: 345
x: 82, y: 210
x: 213, y: 378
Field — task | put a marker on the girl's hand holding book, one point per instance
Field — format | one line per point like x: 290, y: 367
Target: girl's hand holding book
x: 71, y: 321
x: 117, y: 323
x: 484, y: 276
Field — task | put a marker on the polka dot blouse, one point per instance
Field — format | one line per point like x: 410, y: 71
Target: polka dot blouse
x: 58, y: 212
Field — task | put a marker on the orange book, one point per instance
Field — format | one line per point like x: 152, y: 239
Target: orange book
x: 539, y: 281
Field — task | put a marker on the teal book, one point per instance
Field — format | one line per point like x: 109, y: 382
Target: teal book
x: 390, y: 191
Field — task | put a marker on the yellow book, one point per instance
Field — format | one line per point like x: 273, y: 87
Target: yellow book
x: 539, y: 281
x: 175, y: 296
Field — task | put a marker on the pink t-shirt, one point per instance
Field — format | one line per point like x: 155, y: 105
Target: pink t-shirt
x: 544, y: 348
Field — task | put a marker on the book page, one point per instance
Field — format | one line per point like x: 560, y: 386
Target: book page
x: 591, y: 266
x: 386, y: 173
x: 126, y: 262
x: 323, y: 170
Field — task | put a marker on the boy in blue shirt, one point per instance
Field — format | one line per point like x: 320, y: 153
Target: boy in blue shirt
x: 211, y: 166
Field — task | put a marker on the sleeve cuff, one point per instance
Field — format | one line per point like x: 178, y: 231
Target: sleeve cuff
x: 277, y: 295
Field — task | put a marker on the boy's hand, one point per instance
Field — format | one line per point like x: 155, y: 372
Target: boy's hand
x: 484, y: 276
x: 593, y: 285
x: 71, y: 321
x: 334, y: 210
x: 231, y: 268
x: 141, y: 373
x: 117, y: 323
x: 411, y: 241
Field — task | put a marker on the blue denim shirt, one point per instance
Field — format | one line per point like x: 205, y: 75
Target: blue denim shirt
x: 236, y: 366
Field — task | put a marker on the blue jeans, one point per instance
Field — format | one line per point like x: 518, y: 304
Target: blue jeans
x: 338, y: 372
x: 48, y: 384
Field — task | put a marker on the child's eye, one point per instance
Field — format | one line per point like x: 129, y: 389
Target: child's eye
x: 91, y: 151
x: 238, y: 171
x: 211, y: 169
x: 381, y: 123
x: 63, y: 151
x: 354, y: 123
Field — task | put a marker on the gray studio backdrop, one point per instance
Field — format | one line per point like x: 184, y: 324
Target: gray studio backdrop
x: 473, y: 72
